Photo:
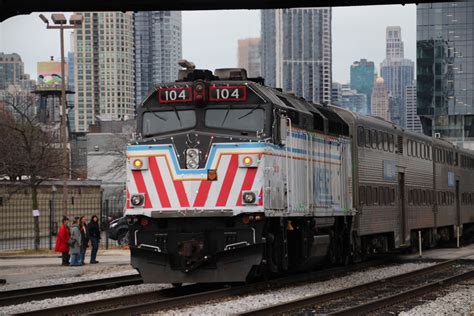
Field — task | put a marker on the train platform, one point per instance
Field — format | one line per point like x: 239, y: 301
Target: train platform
x: 466, y: 252
x: 39, y: 268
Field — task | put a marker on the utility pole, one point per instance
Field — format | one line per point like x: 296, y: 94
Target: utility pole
x: 60, y: 22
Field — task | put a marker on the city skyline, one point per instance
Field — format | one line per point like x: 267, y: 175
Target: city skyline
x: 220, y: 51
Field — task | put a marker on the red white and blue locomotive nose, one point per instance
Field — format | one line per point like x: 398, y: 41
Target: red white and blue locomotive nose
x: 233, y: 173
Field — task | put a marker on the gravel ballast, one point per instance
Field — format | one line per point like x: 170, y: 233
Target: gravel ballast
x: 250, y: 302
x: 459, y: 301
x: 83, y: 298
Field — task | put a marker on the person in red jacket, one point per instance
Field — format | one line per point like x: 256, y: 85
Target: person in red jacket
x: 62, y: 245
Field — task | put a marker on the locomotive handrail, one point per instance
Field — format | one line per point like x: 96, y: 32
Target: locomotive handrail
x: 158, y: 249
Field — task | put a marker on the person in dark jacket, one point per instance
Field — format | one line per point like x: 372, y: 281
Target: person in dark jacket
x: 63, y: 237
x: 75, y: 243
x: 84, y: 241
x: 93, y: 232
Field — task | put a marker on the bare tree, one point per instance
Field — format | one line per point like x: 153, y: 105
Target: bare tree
x: 30, y: 151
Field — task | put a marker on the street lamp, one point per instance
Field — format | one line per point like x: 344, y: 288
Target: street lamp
x: 60, y: 22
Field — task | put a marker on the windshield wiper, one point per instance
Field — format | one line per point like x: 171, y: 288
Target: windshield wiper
x: 177, y: 115
x: 226, y: 114
x: 249, y: 112
x: 160, y: 117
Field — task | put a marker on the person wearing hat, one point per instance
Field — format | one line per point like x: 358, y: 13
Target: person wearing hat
x: 62, y: 241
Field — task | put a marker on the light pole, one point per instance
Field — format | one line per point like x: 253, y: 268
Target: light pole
x: 60, y: 22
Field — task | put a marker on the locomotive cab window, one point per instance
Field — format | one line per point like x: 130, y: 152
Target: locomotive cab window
x: 236, y: 119
x: 161, y: 122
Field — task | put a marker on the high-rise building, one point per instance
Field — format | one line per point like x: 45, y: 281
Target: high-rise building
x: 104, y: 68
x: 11, y: 70
x: 158, y: 48
x: 296, y: 51
x: 362, y: 78
x: 249, y: 56
x: 445, y: 70
x: 380, y: 100
x: 412, y: 119
x: 394, y: 44
x: 70, y: 87
x: 398, y: 72
x: 353, y: 101
x: 336, y: 94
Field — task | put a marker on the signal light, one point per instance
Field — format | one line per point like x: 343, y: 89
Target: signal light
x: 199, y: 92
x: 137, y: 163
x: 144, y: 221
x: 247, y: 161
x: 212, y: 175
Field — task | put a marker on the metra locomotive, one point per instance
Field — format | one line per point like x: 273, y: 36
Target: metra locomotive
x: 229, y: 179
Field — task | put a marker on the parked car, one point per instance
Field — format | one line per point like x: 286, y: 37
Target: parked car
x: 118, y: 230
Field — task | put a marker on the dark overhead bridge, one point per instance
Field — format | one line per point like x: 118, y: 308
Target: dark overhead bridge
x: 9, y: 8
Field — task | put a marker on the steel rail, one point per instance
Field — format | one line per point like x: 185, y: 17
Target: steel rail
x: 175, y: 297
x: 327, y: 297
x: 23, y: 295
x: 405, y: 296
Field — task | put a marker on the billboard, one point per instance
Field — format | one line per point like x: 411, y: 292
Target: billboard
x: 49, y: 75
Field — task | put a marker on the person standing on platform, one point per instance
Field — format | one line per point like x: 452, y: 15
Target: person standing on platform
x: 75, y: 243
x: 84, y: 241
x: 93, y: 233
x: 62, y: 239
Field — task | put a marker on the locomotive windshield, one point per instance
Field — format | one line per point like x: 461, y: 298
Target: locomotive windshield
x: 236, y: 119
x: 167, y: 121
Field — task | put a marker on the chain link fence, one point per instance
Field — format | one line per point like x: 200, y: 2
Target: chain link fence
x: 17, y: 220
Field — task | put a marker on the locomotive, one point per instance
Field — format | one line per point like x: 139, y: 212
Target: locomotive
x: 230, y: 180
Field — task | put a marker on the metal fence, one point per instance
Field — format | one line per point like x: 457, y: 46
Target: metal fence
x: 17, y: 222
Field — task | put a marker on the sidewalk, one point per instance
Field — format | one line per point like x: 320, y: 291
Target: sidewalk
x: 34, y: 267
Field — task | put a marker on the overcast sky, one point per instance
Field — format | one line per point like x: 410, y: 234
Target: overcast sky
x: 210, y: 37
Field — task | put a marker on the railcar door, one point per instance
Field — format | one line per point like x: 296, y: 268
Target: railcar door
x: 402, y: 210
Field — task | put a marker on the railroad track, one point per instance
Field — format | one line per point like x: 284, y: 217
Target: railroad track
x: 191, y: 294
x: 378, y: 295
x: 19, y: 296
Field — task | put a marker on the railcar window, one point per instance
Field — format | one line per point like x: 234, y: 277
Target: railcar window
x: 456, y: 159
x: 236, y: 119
x: 380, y: 140
x: 385, y: 141
x: 381, y: 199
x: 410, y: 197
x: 386, y: 196
x: 368, y: 199
x: 367, y: 138
x: 361, y: 195
x: 409, y: 148
x: 392, y: 196
x: 373, y: 135
x: 424, y: 200
x: 375, y: 196
x: 391, y: 143
x: 167, y: 121
x: 360, y: 136
x: 423, y: 151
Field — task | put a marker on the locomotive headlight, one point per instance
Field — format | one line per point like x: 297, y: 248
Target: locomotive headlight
x: 137, y: 199
x: 192, y: 158
x: 249, y: 197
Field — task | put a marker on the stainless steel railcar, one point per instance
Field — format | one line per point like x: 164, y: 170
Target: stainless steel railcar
x: 229, y: 179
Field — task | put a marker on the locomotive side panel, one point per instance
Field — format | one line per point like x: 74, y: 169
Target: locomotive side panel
x: 315, y: 171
